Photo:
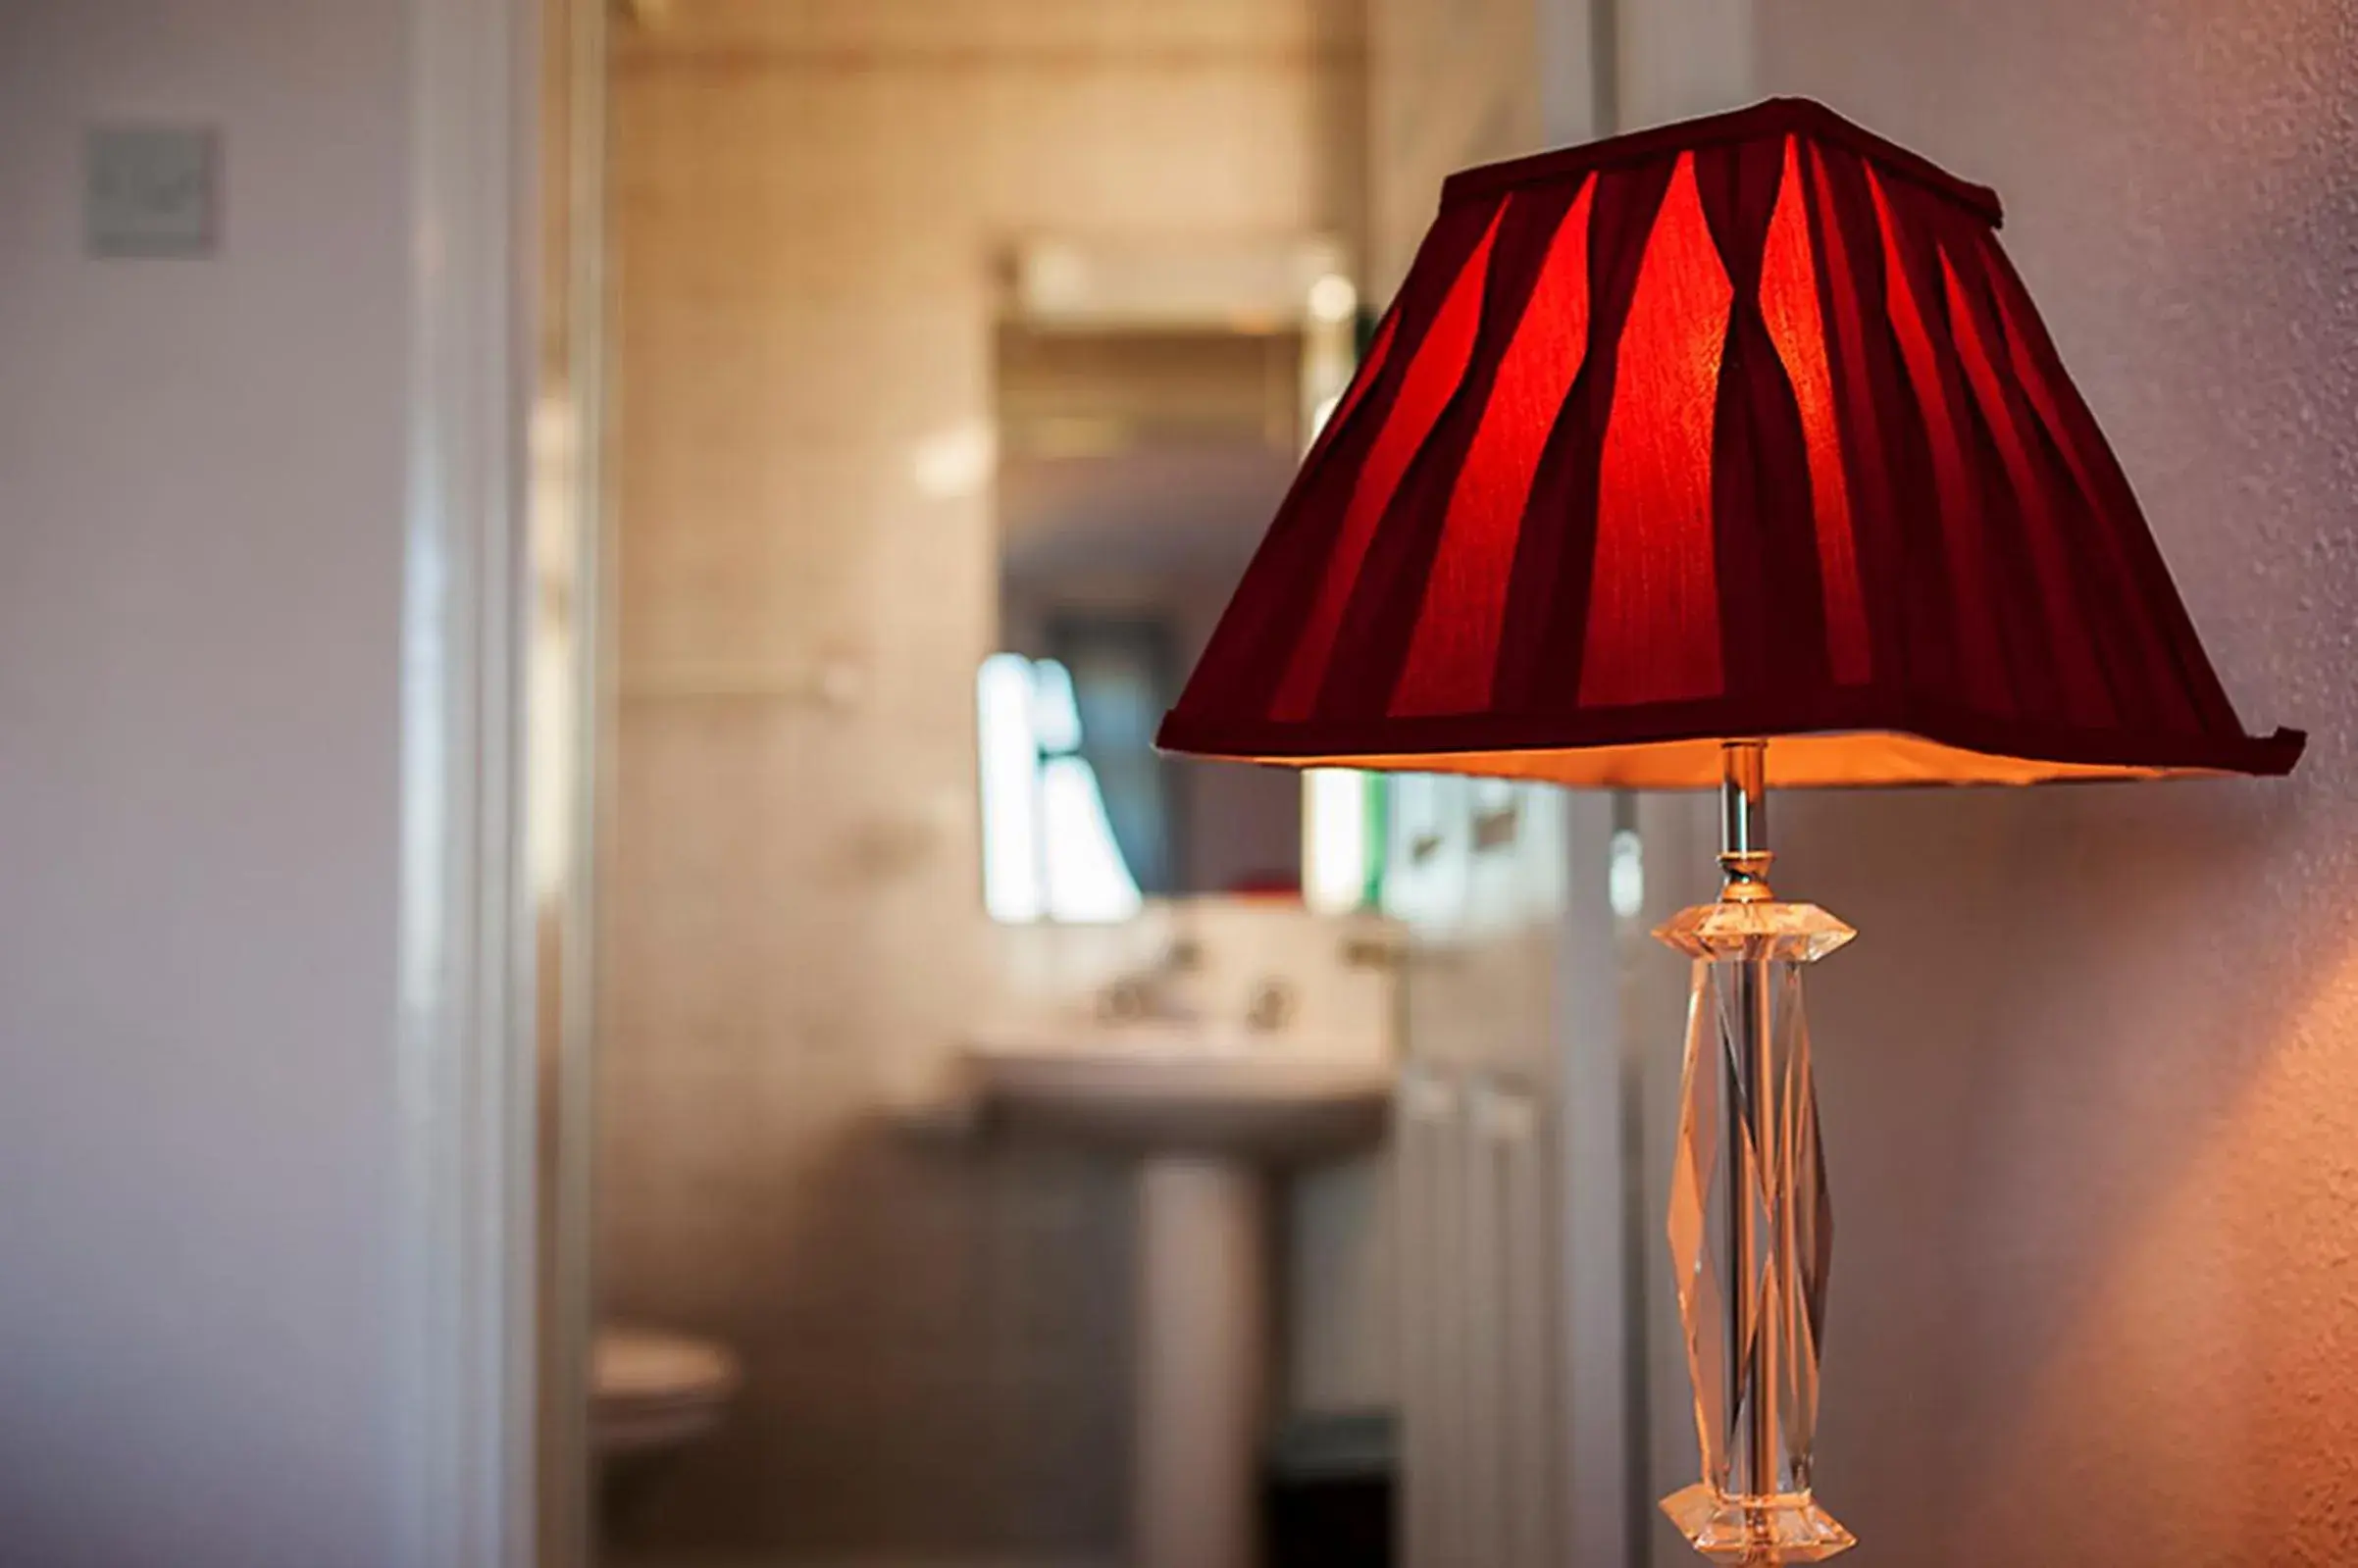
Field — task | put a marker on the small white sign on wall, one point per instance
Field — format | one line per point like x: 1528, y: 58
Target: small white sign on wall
x: 152, y: 190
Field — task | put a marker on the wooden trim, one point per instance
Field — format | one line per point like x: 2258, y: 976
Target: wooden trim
x: 573, y: 604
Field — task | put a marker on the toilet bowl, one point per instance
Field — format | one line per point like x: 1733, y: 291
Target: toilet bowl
x: 652, y: 1392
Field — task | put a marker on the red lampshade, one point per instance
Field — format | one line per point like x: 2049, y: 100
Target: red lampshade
x: 1738, y: 428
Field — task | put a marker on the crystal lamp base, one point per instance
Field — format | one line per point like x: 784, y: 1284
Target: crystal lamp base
x: 1751, y: 1230
x: 1756, y: 1529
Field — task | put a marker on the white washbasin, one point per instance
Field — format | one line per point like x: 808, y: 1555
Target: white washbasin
x: 1164, y: 1087
x: 1205, y: 1109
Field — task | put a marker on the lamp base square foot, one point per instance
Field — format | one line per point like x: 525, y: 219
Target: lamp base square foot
x: 1756, y: 1531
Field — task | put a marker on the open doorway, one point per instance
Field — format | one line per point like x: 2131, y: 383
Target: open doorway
x: 938, y: 345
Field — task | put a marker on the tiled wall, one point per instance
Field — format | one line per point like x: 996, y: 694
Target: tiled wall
x: 809, y: 201
x: 1451, y: 83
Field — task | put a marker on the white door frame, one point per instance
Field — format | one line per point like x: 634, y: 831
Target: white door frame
x: 465, y: 1397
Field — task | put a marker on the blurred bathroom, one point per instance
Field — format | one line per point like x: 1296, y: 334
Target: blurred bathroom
x: 1013, y: 1146
x: 596, y: 966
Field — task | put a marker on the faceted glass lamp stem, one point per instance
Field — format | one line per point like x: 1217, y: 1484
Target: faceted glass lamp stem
x: 1750, y: 1230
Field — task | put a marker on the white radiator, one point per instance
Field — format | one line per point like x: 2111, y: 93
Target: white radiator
x: 1479, y: 1373
x: 1537, y: 1353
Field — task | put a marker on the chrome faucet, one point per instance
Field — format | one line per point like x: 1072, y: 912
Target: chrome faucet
x: 1149, y: 993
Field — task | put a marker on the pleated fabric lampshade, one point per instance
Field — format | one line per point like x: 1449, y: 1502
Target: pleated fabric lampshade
x: 1731, y: 453
x: 1740, y: 428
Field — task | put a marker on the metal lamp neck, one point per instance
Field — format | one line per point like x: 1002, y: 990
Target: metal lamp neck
x: 1744, y: 822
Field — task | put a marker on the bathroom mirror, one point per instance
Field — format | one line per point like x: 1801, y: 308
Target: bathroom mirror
x: 1145, y: 430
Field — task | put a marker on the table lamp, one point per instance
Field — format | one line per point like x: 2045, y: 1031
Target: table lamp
x: 1729, y: 454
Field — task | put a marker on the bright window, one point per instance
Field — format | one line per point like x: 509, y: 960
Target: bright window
x: 1338, y: 818
x: 1049, y: 849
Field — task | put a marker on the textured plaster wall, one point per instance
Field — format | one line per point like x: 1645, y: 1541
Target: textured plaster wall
x: 2090, y: 1075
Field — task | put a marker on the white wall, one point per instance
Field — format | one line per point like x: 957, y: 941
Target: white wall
x: 2090, y: 1074
x: 201, y: 470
